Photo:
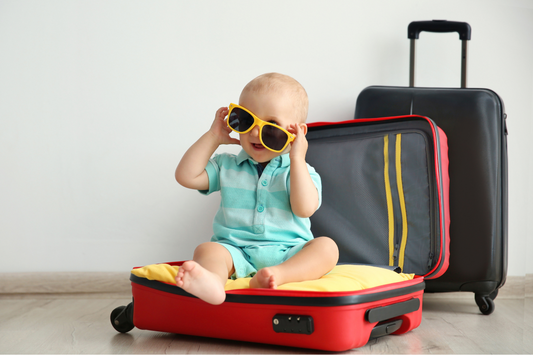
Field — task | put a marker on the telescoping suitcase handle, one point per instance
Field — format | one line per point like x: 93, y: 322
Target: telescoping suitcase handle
x: 441, y: 26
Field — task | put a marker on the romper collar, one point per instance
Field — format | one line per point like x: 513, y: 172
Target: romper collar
x: 279, y: 161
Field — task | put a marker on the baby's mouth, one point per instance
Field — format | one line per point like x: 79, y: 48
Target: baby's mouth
x: 258, y: 146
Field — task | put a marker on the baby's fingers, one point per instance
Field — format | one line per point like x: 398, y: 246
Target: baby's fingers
x: 222, y: 113
x: 294, y: 129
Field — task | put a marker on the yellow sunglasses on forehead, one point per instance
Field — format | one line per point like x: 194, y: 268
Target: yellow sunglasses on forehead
x: 272, y: 136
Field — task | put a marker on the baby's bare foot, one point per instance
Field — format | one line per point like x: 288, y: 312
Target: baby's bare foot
x: 202, y: 283
x: 264, y: 278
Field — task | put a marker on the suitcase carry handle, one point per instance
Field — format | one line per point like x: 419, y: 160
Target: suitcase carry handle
x: 379, y: 314
x: 439, y: 26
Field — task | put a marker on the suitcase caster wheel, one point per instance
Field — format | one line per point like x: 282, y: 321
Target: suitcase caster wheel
x: 485, y: 304
x: 122, y: 318
x: 494, y: 295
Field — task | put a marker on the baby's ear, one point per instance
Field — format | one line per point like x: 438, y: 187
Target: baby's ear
x: 303, y: 126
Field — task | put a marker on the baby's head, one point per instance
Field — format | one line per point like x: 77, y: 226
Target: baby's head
x: 281, y: 87
x: 277, y: 99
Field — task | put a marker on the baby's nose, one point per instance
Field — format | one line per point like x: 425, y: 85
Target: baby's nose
x: 255, y: 131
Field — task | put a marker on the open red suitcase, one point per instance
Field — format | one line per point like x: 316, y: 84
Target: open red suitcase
x: 385, y: 202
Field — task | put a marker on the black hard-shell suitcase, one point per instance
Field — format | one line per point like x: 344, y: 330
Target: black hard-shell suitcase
x: 474, y: 121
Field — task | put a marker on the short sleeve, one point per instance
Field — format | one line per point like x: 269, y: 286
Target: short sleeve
x: 213, y: 173
x: 317, y: 181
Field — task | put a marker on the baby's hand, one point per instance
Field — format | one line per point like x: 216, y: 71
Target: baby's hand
x: 220, y: 129
x: 299, y: 145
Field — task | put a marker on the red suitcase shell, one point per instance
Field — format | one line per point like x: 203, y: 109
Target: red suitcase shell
x: 331, y: 321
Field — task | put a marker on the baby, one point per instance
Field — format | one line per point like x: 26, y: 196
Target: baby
x: 268, y: 192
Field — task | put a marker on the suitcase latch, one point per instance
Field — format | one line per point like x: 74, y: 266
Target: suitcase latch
x: 287, y: 323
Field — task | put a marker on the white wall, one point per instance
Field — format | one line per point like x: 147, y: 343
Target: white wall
x: 100, y: 99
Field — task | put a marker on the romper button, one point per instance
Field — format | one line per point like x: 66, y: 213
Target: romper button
x: 261, y: 208
x: 264, y: 183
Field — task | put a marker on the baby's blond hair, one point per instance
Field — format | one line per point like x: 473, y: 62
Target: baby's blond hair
x: 283, y: 84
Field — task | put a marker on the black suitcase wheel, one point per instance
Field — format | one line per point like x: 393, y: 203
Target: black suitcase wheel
x: 485, y: 304
x: 122, y: 318
x: 494, y: 294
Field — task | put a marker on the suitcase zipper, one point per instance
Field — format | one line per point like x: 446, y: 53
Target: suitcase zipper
x: 439, y: 244
x: 388, y: 193
x: 430, y: 260
x: 399, y: 186
x: 397, y: 239
x: 395, y: 255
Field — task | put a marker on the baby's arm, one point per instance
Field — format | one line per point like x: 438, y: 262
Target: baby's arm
x: 191, y: 169
x: 304, y: 195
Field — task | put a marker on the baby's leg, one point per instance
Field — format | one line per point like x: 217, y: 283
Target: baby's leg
x: 205, y: 276
x: 315, y: 259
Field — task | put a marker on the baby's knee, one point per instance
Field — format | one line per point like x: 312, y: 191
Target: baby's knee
x: 206, y: 248
x: 210, y: 249
x: 323, y: 241
x: 328, y: 245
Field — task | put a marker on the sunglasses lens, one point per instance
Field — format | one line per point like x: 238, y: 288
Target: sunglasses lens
x: 240, y: 120
x: 273, y: 137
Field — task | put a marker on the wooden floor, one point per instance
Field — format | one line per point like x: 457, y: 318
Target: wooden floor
x: 79, y: 323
